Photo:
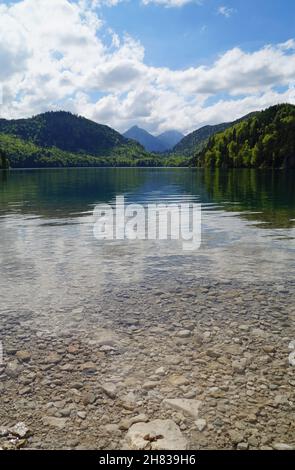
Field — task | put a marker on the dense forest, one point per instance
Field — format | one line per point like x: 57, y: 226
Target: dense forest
x: 61, y: 139
x: 264, y: 140
x: 197, y: 140
x: 65, y: 131
x: 25, y: 154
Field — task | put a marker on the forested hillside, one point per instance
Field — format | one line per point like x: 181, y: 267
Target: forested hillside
x: 264, y: 140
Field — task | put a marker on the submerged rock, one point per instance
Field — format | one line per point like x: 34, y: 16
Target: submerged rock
x: 183, y: 333
x: 109, y: 389
x: 23, y: 356
x: 126, y: 423
x: 201, y: 424
x: 156, y: 435
x: 235, y: 436
x: 20, y: 430
x: 178, y: 380
x: 292, y: 358
x: 53, y: 358
x: 88, y: 368
x: 13, y: 369
x: 59, y: 423
x: 188, y: 406
x: 282, y: 446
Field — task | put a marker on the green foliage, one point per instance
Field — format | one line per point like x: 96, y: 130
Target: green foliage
x: 4, y: 163
x: 65, y: 131
x: 174, y: 160
x: 26, y: 154
x: 60, y: 139
x: 264, y: 140
x: 195, y: 142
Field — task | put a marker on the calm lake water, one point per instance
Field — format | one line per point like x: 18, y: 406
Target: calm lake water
x: 50, y: 258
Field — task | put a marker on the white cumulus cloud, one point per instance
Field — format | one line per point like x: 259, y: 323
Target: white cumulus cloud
x: 226, y: 11
x: 60, y: 55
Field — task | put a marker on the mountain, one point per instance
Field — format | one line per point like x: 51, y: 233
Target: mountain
x: 147, y: 140
x: 196, y: 140
x: 265, y: 139
x: 63, y: 139
x: 170, y: 138
x: 65, y: 131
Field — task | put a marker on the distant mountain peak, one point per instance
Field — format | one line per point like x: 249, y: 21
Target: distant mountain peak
x: 170, y: 138
x: 161, y: 143
x: 149, y: 142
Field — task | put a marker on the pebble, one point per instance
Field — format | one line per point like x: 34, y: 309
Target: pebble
x: 88, y: 367
x: 13, y: 369
x: 23, y: 356
x: 235, y: 436
x: 53, y: 358
x: 201, y: 424
x: 291, y: 358
x: 125, y: 424
x: 59, y: 423
x: 109, y: 389
x: 282, y: 446
x: 20, y: 430
x: 188, y: 406
x: 183, y: 333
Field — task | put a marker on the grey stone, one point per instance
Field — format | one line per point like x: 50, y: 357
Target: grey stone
x: 282, y: 446
x: 242, y: 446
x: 23, y: 356
x: 156, y: 435
x: 53, y: 358
x: 59, y: 423
x: 13, y: 369
x: 127, y: 423
x: 291, y: 358
x: 235, y: 436
x: 88, y: 367
x: 186, y: 405
x: 183, y: 333
x: 201, y: 424
x: 109, y: 389
x: 20, y: 430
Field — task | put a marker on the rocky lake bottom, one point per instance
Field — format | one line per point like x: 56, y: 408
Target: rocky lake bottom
x: 207, y: 366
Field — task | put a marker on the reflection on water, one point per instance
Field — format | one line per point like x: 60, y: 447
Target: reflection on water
x: 49, y: 257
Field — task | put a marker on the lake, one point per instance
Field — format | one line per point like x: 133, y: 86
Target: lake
x: 50, y: 256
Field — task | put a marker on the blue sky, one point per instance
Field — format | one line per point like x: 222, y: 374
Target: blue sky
x: 160, y: 64
x: 195, y: 34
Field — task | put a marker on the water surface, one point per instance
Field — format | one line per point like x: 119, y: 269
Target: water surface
x: 51, y: 260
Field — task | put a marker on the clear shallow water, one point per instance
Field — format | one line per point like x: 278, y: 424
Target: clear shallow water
x: 50, y: 259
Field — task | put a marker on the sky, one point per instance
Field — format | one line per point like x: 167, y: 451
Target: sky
x: 159, y: 64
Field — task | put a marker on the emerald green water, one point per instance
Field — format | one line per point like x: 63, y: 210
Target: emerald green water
x: 49, y: 256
